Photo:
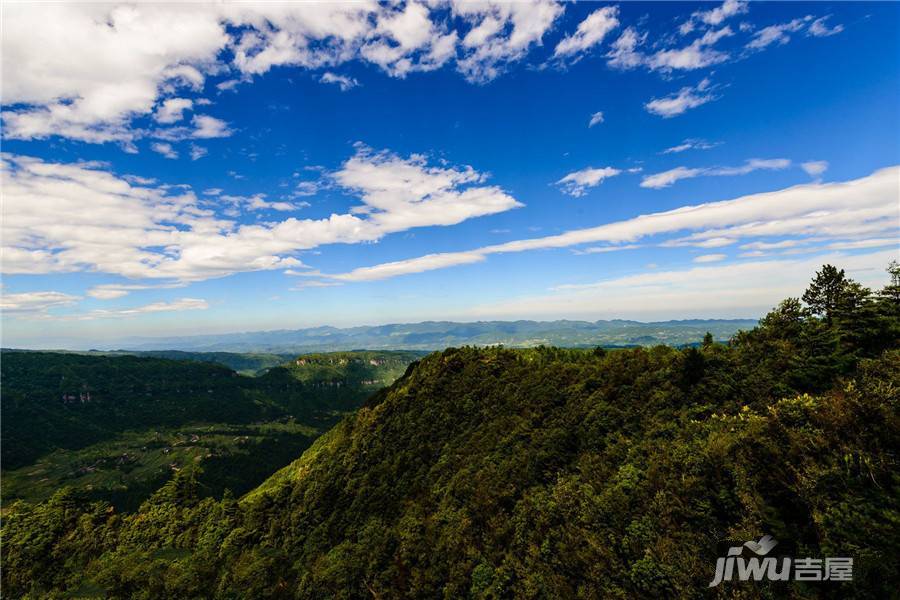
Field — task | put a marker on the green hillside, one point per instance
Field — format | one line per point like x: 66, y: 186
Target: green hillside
x: 119, y: 426
x: 540, y: 473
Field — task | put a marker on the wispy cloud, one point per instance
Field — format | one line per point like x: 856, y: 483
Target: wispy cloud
x: 35, y: 302
x: 860, y: 207
x: 344, y: 82
x: 667, y: 178
x: 744, y: 289
x: 590, y: 32
x: 690, y: 144
x: 683, y: 100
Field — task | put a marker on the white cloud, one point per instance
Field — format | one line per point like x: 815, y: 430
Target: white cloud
x: 685, y: 99
x: 172, y: 110
x: 814, y: 168
x: 870, y: 243
x: 167, y: 233
x: 399, y: 194
x: 728, y: 9
x: 624, y: 53
x: 716, y: 242
x: 178, y: 305
x: 605, y: 249
x: 429, y: 262
x: 165, y: 149
x: 590, y: 32
x: 690, y: 144
x: 859, y: 207
x: 697, y: 55
x: 35, y: 302
x: 708, y: 258
x: 596, y: 118
x: 576, y: 183
x: 198, y: 152
x: 342, y: 81
x: 85, y: 71
x: 501, y: 33
x: 207, y: 127
x: 818, y: 28
x: 667, y: 178
x: 111, y: 291
x: 744, y: 289
x: 776, y: 34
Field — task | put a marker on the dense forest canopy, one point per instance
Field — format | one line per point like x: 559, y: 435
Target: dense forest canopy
x: 540, y: 473
x: 120, y: 425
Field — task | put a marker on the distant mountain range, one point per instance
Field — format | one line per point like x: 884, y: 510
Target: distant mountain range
x: 437, y: 335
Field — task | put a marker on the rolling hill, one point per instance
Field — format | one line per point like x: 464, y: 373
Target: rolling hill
x: 437, y: 335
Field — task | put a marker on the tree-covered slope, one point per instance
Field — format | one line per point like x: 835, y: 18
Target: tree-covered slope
x: 119, y: 426
x: 541, y: 473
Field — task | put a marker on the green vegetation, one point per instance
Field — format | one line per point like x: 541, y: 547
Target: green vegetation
x: 539, y: 473
x: 242, y: 363
x: 117, y: 427
x: 128, y: 468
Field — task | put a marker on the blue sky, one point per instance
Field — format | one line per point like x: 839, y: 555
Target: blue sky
x: 207, y: 168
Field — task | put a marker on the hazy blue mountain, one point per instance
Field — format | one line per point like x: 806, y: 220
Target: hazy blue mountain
x: 437, y: 335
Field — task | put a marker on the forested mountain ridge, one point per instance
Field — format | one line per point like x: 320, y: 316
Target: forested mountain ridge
x: 540, y: 473
x: 242, y: 363
x: 437, y: 335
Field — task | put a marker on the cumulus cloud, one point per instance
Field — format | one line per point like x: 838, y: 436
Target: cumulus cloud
x: 715, y: 16
x: 697, y: 55
x: 166, y: 232
x: 85, y: 71
x: 165, y: 149
x: 624, y: 53
x: 342, y: 81
x: 172, y: 110
x: 577, y: 183
x: 589, y: 33
x: 667, y: 178
x: 683, y: 100
x: 500, y: 33
x: 206, y: 127
x: 863, y: 208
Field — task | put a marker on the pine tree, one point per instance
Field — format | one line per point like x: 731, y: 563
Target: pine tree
x: 825, y: 292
